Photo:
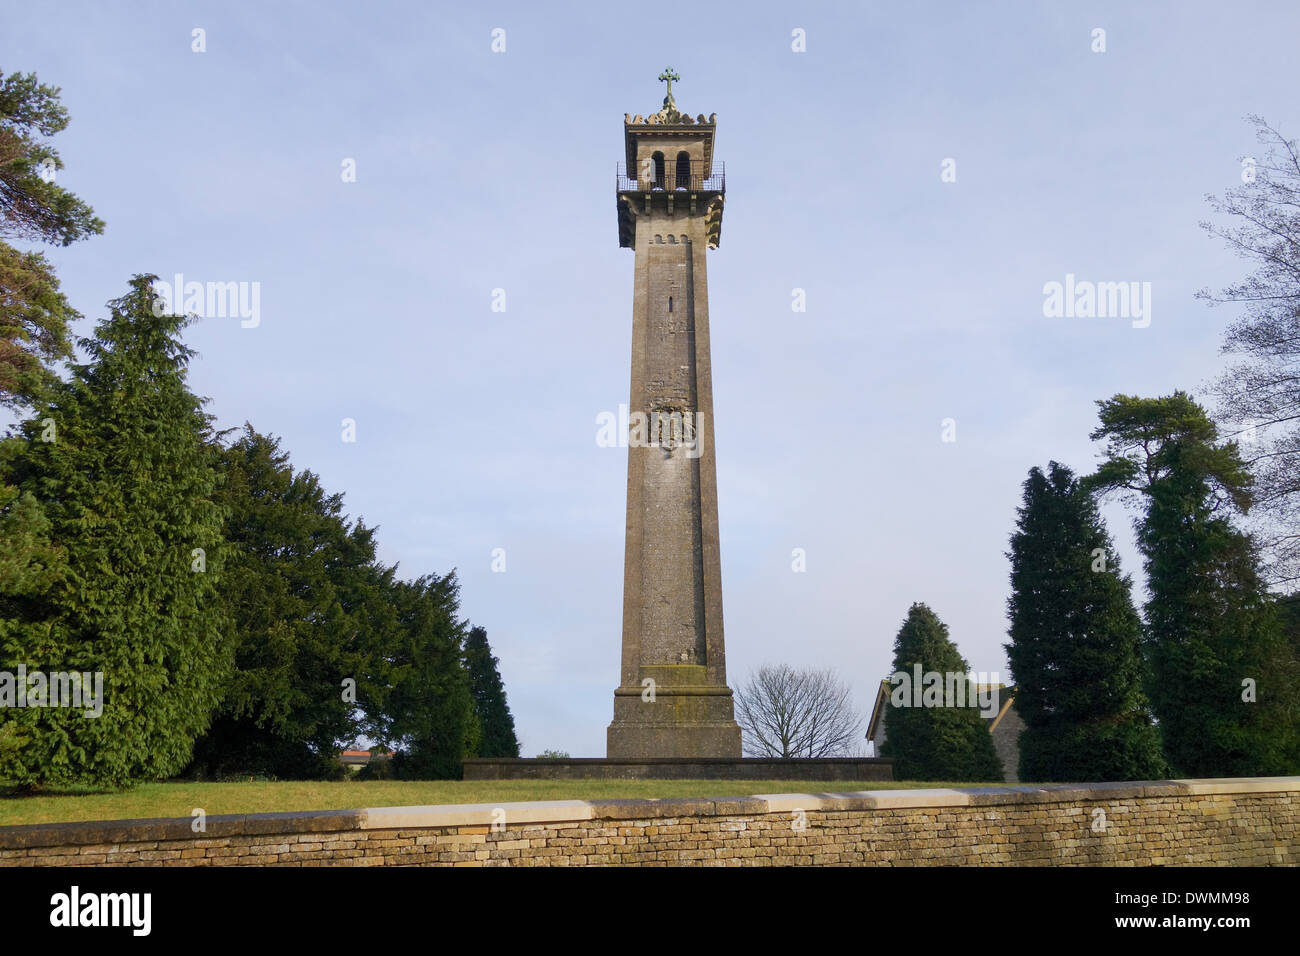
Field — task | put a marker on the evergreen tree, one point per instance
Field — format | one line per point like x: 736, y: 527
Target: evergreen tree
x: 1213, y: 631
x: 1075, y: 647
x: 294, y: 589
x: 34, y: 320
x: 427, y: 711
x: 119, y: 462
x: 938, y: 741
x: 30, y: 566
x: 34, y: 315
x: 497, y: 726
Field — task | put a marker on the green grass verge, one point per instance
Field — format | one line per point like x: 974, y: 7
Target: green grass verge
x: 180, y: 799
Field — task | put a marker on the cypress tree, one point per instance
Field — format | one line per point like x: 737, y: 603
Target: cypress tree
x: 1223, y: 685
x: 497, y: 726
x: 1075, y: 647
x: 119, y: 463
x: 936, y: 741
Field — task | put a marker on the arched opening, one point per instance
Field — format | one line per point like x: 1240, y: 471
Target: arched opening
x: 683, y: 170
x: 658, y: 160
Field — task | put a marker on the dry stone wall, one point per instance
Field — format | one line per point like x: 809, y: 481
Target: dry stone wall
x: 1201, y: 822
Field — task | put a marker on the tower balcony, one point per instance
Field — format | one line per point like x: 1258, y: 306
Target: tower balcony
x: 692, y: 177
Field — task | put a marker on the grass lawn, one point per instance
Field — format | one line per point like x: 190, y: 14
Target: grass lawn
x: 180, y: 799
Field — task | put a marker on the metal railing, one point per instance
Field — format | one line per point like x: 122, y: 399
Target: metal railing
x: 670, y: 176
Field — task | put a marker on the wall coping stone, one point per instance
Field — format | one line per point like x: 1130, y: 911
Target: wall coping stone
x: 473, y: 814
x: 573, y: 811
x: 176, y: 828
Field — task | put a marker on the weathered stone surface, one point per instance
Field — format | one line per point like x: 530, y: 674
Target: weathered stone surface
x: 313, y: 822
x: 672, y: 576
x: 1251, y: 822
x: 102, y: 835
x: 475, y: 813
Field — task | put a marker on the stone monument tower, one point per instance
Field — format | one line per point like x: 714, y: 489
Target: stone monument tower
x: 672, y: 699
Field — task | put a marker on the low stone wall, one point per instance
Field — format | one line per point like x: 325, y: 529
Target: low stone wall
x: 1238, y: 821
x: 680, y: 768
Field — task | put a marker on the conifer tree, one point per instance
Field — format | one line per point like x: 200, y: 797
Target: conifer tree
x: 294, y: 589
x: 34, y: 320
x: 426, y: 712
x: 34, y: 314
x: 1224, y: 685
x: 497, y: 726
x: 30, y: 567
x: 1075, y: 649
x: 938, y: 741
x: 119, y: 462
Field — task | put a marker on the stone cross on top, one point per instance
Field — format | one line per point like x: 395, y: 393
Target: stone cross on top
x: 667, y: 76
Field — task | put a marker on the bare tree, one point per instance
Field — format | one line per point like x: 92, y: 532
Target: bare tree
x: 1259, y: 396
x: 785, y: 712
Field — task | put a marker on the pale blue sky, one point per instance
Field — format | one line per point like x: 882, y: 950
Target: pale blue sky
x: 475, y: 171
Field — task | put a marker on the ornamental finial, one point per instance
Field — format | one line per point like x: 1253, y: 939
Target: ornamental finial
x: 668, y: 76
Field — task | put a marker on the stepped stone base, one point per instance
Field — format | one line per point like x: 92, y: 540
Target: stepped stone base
x: 685, y: 720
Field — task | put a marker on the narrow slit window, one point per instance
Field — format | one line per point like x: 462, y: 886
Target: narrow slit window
x: 670, y: 303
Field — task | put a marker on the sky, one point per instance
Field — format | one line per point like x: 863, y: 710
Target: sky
x: 479, y: 170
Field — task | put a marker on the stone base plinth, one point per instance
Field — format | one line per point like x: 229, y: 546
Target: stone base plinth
x: 693, y: 720
x: 673, y: 741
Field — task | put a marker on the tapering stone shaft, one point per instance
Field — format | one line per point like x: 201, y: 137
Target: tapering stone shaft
x: 673, y: 699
